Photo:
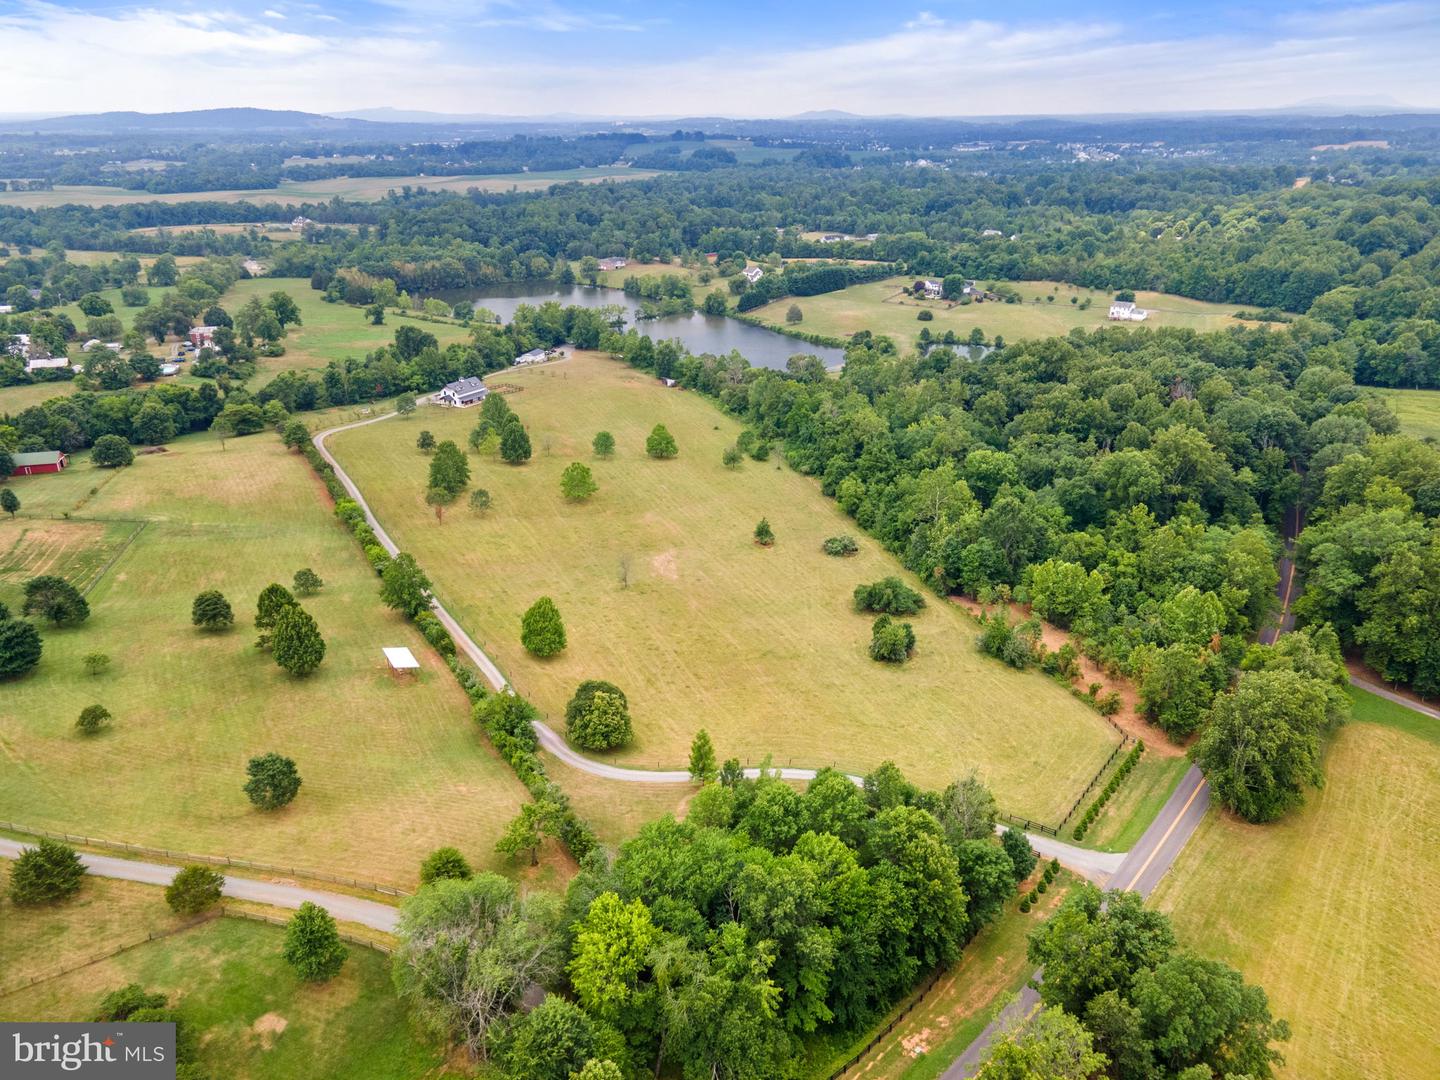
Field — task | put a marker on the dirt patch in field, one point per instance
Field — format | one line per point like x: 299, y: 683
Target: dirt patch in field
x: 666, y: 566
x: 269, y: 1028
x: 1129, y: 718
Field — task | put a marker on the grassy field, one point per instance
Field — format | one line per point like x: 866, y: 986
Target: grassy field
x: 257, y: 1020
x: 354, y: 188
x: 14, y: 399
x: 758, y: 645
x: 1418, y: 410
x: 328, y: 331
x: 1133, y: 807
x: 391, y: 769
x: 881, y: 307
x: 1335, y: 910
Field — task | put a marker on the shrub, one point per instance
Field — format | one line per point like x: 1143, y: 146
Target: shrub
x: 840, y: 545
x: 1025, y: 906
x: 541, y: 630
x: 1109, y: 705
x: 425, y: 442
x: 480, y: 500
x: 93, y: 719
x: 443, y: 864
x: 890, y: 595
x: 761, y: 451
x: 45, y: 873
x: 378, y: 556
x: 123, y: 1003
x: 891, y: 642
x: 1033, y: 896
x: 1042, y: 886
x: 435, y: 633
x: 193, y: 889
x: 924, y: 315
x: 764, y: 535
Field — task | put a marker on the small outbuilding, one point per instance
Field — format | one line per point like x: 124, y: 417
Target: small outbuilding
x: 400, y: 660
x: 39, y: 461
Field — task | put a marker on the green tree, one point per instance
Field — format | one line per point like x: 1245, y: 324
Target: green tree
x: 55, y: 599
x: 610, y: 956
x: 604, y: 724
x: 307, y: 582
x: 1065, y: 591
x: 442, y: 864
x: 111, y: 451
x: 1022, y: 857
x: 603, y: 444
x: 9, y: 501
x: 1191, y: 617
x: 1175, y: 687
x: 731, y: 458
x: 275, y: 415
x: 514, y: 443
x: 891, y: 642
x: 469, y: 949
x: 123, y: 1003
x: 576, y: 482
x: 541, y: 630
x: 449, y: 469
x: 273, y: 600
x: 20, y: 647
x: 93, y: 719
x: 274, y: 781
x: 211, y: 611
x: 425, y: 442
x: 480, y: 500
x: 660, y: 443
x: 550, y: 1042
x: 527, y: 829
x: 312, y: 944
x: 405, y: 405
x: 46, y: 873
x: 793, y: 314
x: 404, y: 586
x: 96, y: 663
x: 193, y: 889
x: 1052, y: 1045
x: 764, y: 535
x: 702, y: 758
x: 296, y: 641
x: 1260, y: 749
x: 597, y: 1069
x: 967, y: 809
x: 163, y: 271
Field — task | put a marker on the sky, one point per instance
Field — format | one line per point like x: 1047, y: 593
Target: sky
x: 738, y: 58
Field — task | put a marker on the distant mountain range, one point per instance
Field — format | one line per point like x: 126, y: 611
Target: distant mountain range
x: 380, y: 122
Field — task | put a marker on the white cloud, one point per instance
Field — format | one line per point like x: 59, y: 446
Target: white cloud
x: 926, y: 66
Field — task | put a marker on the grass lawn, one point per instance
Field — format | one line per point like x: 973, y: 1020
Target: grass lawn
x: 1418, y: 410
x: 16, y: 399
x: 991, y: 969
x: 1133, y: 807
x: 257, y: 1020
x: 391, y: 769
x: 758, y: 645
x: 292, y: 192
x: 1335, y: 910
x: 881, y: 307
x: 327, y: 331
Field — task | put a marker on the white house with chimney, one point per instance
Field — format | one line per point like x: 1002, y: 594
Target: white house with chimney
x: 1126, y: 311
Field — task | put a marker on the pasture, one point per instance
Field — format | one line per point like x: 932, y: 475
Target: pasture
x: 1418, y: 410
x: 327, y: 331
x: 295, y: 193
x: 1335, y: 910
x: 391, y: 769
x: 226, y: 978
x: 759, y: 645
x: 883, y: 307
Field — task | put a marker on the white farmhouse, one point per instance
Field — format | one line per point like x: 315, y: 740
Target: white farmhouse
x: 934, y: 290
x: 753, y: 274
x: 462, y: 392
x: 1126, y: 311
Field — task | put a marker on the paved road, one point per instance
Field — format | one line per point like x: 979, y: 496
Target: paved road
x: 345, y: 908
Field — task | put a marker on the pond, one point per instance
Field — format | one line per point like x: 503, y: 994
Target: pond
x: 698, y: 333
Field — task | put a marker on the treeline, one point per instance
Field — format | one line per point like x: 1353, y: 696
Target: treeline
x: 802, y: 279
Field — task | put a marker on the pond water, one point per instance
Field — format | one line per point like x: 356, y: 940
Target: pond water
x: 698, y: 333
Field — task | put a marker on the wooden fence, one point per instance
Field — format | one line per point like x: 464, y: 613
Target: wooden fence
x: 1094, y: 781
x: 888, y: 1028
x: 209, y: 860
x: 280, y: 920
x: 154, y: 935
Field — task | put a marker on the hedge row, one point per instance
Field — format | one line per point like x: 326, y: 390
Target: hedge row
x: 516, y: 746
x: 1123, y: 771
x: 1032, y: 898
x: 790, y: 331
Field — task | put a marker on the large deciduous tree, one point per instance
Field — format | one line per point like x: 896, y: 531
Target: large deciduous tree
x: 211, y: 611
x: 404, y: 586
x: 542, y: 631
x: 312, y: 944
x: 274, y: 781
x: 54, y: 598
x: 296, y: 642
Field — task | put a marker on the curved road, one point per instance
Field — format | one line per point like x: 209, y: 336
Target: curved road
x: 369, y: 913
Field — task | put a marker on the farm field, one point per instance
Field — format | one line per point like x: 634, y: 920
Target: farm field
x: 1418, y: 410
x: 355, y: 188
x: 1333, y: 910
x: 880, y: 306
x: 758, y: 645
x: 192, y: 707
x: 328, y: 331
x: 226, y: 978
x: 14, y: 399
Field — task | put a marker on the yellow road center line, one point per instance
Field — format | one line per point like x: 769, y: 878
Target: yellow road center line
x: 1178, y: 818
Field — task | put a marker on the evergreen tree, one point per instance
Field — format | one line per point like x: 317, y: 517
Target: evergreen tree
x: 193, y: 889
x: 9, y: 501
x: 764, y: 535
x: 312, y: 944
x: 660, y: 443
x: 514, y: 443
x: 296, y: 641
x: 45, y: 873
x: 20, y: 647
x: 211, y: 611
x: 702, y: 758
